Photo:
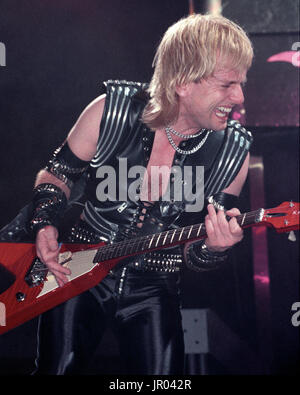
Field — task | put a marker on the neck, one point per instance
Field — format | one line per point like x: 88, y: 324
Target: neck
x: 184, y: 129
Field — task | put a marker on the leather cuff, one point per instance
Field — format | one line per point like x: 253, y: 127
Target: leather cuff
x: 200, y: 258
x: 66, y: 166
x: 49, y: 204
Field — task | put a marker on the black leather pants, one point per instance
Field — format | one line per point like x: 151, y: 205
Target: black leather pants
x: 143, y: 310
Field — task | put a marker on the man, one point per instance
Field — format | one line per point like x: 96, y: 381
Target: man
x: 180, y: 119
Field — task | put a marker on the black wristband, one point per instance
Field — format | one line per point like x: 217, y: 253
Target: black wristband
x: 66, y: 166
x: 49, y: 204
x: 200, y: 258
x: 224, y: 201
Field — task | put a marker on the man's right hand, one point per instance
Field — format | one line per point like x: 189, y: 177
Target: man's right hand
x: 47, y: 249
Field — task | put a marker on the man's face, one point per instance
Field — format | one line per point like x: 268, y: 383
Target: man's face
x: 207, y: 104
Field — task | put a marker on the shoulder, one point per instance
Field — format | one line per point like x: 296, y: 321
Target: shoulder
x: 113, y: 89
x: 94, y: 109
x: 117, y: 90
x: 235, y: 128
x: 127, y: 86
x: 84, y: 135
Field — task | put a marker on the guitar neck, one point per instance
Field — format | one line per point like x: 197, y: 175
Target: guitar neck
x: 167, y: 238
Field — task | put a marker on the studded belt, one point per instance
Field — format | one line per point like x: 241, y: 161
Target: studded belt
x: 157, y: 262
x: 83, y: 233
x: 149, y: 262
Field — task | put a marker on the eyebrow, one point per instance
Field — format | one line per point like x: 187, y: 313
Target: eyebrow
x: 231, y: 82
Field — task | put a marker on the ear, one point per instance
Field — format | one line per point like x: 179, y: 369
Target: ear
x: 183, y: 90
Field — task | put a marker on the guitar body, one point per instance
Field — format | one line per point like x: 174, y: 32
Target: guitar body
x: 26, y: 299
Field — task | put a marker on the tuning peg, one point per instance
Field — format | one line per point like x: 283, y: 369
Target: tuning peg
x: 292, y: 236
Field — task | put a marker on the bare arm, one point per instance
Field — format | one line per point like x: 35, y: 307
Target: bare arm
x: 82, y: 141
x: 237, y: 184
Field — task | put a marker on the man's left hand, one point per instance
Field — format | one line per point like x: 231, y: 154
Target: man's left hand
x: 221, y: 233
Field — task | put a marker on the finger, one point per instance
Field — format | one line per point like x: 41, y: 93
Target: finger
x: 51, y: 261
x: 222, y: 237
x: 60, y: 279
x: 223, y: 225
x: 211, y: 211
x: 233, y: 212
x: 57, y: 267
x: 217, y: 217
x: 231, y: 231
x: 213, y: 241
x: 60, y: 273
x: 210, y: 231
x: 235, y: 228
x: 60, y: 282
x: 212, y: 220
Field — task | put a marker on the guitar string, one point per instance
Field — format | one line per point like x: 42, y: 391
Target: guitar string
x: 111, y: 248
x: 134, y: 241
x: 186, y: 228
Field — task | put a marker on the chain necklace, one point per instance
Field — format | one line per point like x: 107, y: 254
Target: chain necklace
x: 186, y: 152
x: 184, y: 136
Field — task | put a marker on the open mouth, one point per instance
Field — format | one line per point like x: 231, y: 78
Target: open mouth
x: 223, y: 112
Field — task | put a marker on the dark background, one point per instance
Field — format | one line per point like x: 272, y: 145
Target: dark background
x: 57, y: 54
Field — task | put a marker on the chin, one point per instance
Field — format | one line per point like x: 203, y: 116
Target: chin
x: 216, y: 124
x: 220, y: 125
x: 219, y: 128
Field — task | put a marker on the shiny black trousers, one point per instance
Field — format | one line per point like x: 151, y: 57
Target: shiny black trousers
x: 144, y: 312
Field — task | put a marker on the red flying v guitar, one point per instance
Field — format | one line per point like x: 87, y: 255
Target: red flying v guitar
x: 35, y: 290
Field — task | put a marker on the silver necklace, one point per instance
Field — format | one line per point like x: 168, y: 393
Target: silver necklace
x: 184, y: 136
x: 186, y: 152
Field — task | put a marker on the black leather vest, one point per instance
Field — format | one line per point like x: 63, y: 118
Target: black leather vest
x: 125, y: 142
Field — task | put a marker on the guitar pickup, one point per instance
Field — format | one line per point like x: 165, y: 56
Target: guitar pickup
x: 37, y: 273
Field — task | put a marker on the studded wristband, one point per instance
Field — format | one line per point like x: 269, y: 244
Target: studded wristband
x: 66, y: 166
x: 49, y: 204
x: 200, y: 258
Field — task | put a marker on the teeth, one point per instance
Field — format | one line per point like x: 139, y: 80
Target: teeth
x: 224, y: 109
x: 220, y: 114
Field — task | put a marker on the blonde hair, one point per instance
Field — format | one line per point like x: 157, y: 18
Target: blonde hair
x: 187, y: 53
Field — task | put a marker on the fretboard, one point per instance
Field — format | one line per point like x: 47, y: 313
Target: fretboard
x: 165, y: 239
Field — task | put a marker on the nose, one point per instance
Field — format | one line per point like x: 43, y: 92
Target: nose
x: 237, y: 95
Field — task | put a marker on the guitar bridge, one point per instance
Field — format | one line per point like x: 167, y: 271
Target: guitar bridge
x: 37, y: 273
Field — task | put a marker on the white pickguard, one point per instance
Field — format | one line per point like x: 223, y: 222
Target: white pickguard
x: 80, y: 262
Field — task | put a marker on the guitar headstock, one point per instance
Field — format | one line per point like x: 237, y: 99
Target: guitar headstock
x: 284, y: 217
